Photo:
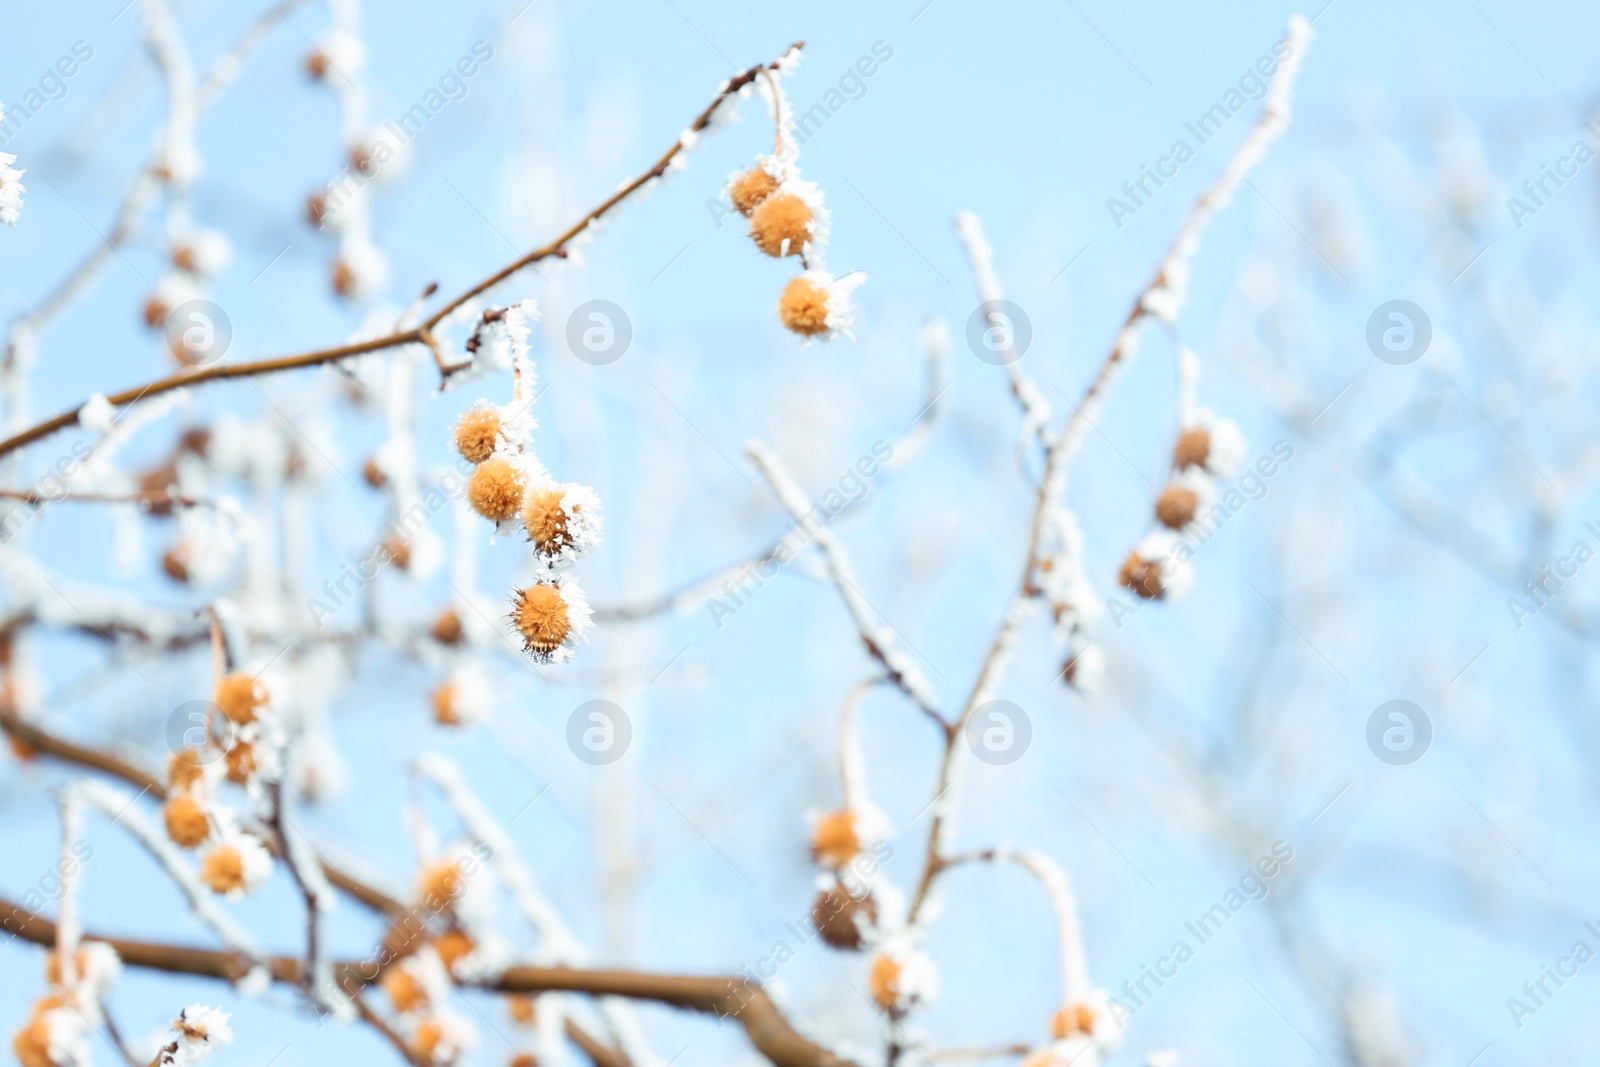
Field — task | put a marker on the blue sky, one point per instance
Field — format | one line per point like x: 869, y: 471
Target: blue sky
x: 1032, y: 115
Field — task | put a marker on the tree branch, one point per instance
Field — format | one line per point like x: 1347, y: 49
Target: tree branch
x: 417, y: 335
x: 737, y: 998
x: 1163, y: 298
x: 46, y: 743
x: 880, y: 640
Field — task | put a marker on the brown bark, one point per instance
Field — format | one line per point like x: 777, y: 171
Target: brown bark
x: 42, y: 741
x: 743, y: 1001
x: 422, y: 334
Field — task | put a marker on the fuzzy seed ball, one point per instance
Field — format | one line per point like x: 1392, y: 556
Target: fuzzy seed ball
x: 223, y: 869
x: 316, y: 210
x: 524, y: 1059
x: 186, y: 820
x: 883, y: 981
x: 156, y: 312
x: 397, y: 551
x: 429, y: 1033
x: 32, y: 1042
x: 1077, y: 1019
x: 540, y: 615
x: 834, y: 842
x: 1193, y: 448
x: 520, y: 1005
x: 451, y: 946
x: 439, y: 881
x: 175, y: 562
x: 803, y: 308
x: 1142, y: 576
x: 241, y: 760
x: 779, y: 219
x: 835, y: 912
x: 162, y: 479
x: 750, y: 189
x: 1175, y: 507
x: 52, y: 966
x: 444, y: 706
x: 183, y: 768
x: 344, y: 279
x: 373, y: 474
x: 196, y: 440
x: 545, y: 519
x: 317, y: 65
x: 476, y: 432
x: 495, y: 490
x: 239, y: 695
x: 403, y: 989
x: 447, y: 628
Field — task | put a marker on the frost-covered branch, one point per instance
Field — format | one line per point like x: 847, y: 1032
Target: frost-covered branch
x: 935, y: 338
x: 1035, y: 408
x: 119, y: 807
x: 1162, y: 298
x: 417, y: 335
x: 880, y: 640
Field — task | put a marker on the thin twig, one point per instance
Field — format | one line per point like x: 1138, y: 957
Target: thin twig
x: 416, y: 335
x: 222, y: 74
x: 880, y: 640
x: 739, y: 999
x: 375, y: 1020
x: 42, y: 741
x: 153, y: 498
x: 1163, y: 298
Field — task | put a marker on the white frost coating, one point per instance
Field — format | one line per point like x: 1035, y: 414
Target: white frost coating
x: 904, y: 670
x: 69, y: 930
x: 11, y: 188
x: 97, y: 414
x: 471, y: 690
x: 549, y: 1024
x: 207, y: 251
x: 558, y: 943
x: 934, y: 336
x: 852, y: 766
x: 308, y: 866
x: 581, y: 523
x: 1035, y: 409
x: 255, y: 861
x: 1165, y: 297
x: 166, y: 44
x: 771, y: 88
x: 56, y: 602
x: 118, y: 806
x: 1077, y: 607
x: 1227, y: 447
x: 580, y: 620
x: 1188, y: 385
x: 200, y: 1030
x: 1064, y: 903
x: 841, y: 315
x: 502, y: 342
x: 1177, y: 574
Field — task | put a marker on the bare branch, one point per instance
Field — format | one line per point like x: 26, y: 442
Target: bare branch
x: 734, y: 998
x: 880, y: 640
x: 416, y: 335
